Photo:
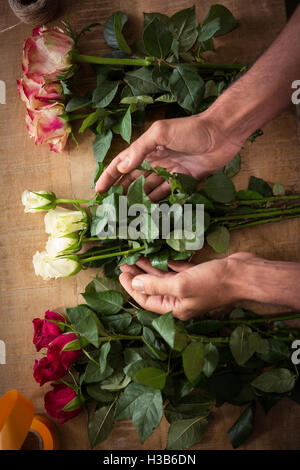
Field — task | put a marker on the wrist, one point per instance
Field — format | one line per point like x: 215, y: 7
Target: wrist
x: 273, y: 282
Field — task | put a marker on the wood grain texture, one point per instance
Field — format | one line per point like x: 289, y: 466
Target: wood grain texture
x: 275, y: 156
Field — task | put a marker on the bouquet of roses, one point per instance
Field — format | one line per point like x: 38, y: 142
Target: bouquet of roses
x: 117, y: 361
x: 165, y: 68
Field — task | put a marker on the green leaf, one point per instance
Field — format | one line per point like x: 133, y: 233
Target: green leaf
x: 208, y: 30
x: 275, y: 380
x: 146, y: 318
x: 93, y: 373
x: 277, y: 351
x: 105, y: 348
x: 260, y: 186
x: 211, y: 359
x: 218, y: 238
x: 88, y: 328
x: 91, y: 119
x: 102, y: 284
x: 153, y: 344
x: 145, y: 99
x: 184, y: 27
x: 187, y: 87
x: 157, y: 39
x: 136, y: 193
x: 198, y: 198
x: 242, y: 429
x: 233, y: 167
x: 117, y: 322
x: 105, y: 93
x: 151, y: 377
x: 165, y: 326
x: 124, y: 126
x: 100, y: 425
x: 240, y: 345
x: 220, y: 188
x: 132, y: 368
x: 75, y: 314
x: 77, y: 103
x: 228, y: 22
x: 148, y: 17
x: 143, y: 405
x: 160, y: 260
x: 141, y: 79
x: 166, y: 98
x: 117, y: 381
x: 101, y: 145
x: 278, y: 190
x: 107, y: 303
x: 112, y: 32
x: 186, y: 432
x: 244, y: 195
x: 193, y: 360
x: 102, y: 396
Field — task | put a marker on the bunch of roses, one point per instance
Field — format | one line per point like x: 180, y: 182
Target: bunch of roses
x: 63, y: 402
x: 65, y: 228
x: 45, y: 58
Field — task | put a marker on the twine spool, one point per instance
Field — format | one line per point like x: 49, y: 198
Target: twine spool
x: 34, y: 12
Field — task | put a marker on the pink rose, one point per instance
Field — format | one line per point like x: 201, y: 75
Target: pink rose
x: 57, y: 362
x: 58, y: 398
x: 46, y: 330
x: 45, y: 126
x: 46, y: 54
x: 37, y: 94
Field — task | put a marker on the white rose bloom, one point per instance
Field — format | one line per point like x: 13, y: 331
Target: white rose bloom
x: 48, y: 267
x: 59, y: 245
x: 34, y: 203
x: 61, y: 221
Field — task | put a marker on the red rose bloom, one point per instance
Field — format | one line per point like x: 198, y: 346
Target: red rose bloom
x: 46, y: 331
x: 57, y: 362
x: 57, y: 399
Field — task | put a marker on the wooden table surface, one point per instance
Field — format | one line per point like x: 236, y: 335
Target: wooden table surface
x: 275, y: 156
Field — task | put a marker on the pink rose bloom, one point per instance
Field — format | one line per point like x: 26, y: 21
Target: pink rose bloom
x: 37, y: 94
x: 46, y: 54
x: 46, y: 330
x: 58, y: 398
x: 57, y: 362
x: 46, y: 127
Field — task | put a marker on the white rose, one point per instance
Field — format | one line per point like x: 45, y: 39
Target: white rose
x: 61, y: 245
x: 61, y: 221
x: 48, y: 267
x: 34, y: 203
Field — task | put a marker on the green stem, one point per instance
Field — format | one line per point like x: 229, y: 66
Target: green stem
x: 260, y: 222
x: 205, y: 339
x: 111, y: 255
x: 111, y: 248
x: 82, y: 58
x: 267, y: 199
x: 293, y: 316
x: 258, y: 214
x: 90, y: 239
x: 104, y: 339
x: 80, y: 201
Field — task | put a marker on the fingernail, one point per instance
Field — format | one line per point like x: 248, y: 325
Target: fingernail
x: 124, y: 164
x: 137, y: 284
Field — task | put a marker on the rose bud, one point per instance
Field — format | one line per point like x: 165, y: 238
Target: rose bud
x: 46, y: 330
x: 47, y: 127
x: 35, y: 201
x: 46, y: 54
x: 64, y: 244
x: 36, y: 94
x: 62, y: 403
x: 61, y: 221
x: 58, y: 361
x: 48, y: 267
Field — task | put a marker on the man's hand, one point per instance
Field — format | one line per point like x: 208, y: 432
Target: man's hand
x: 194, y: 145
x: 189, y: 290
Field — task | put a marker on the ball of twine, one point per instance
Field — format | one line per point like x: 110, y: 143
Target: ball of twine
x: 34, y: 12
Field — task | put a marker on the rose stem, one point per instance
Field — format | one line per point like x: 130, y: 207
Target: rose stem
x: 258, y: 214
x: 111, y: 255
x: 265, y: 221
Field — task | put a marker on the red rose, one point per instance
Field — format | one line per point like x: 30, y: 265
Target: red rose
x: 58, y: 398
x: 46, y: 331
x: 57, y: 362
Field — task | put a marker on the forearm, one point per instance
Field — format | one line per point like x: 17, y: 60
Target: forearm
x: 264, y: 91
x: 274, y: 282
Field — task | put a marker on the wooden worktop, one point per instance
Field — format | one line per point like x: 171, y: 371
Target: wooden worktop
x: 275, y: 157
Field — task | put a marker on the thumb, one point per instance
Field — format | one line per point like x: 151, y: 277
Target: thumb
x: 136, y: 153
x: 154, y: 285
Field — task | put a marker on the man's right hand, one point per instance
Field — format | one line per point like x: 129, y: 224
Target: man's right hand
x: 194, y: 145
